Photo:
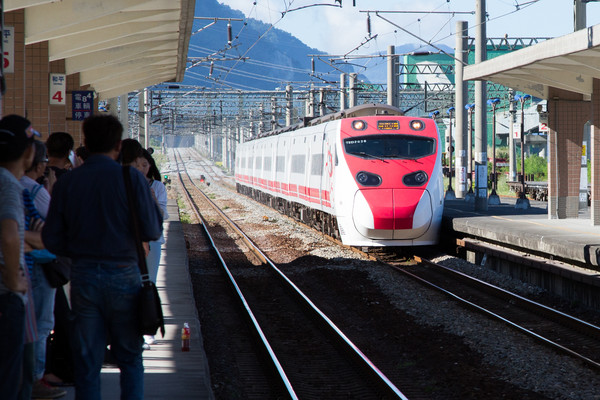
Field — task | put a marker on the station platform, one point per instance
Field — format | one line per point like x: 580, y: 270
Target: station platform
x: 169, y: 372
x: 571, y: 240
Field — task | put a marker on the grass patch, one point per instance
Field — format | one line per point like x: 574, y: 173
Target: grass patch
x: 184, y: 217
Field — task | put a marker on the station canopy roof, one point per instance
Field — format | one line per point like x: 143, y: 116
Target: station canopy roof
x: 117, y: 46
x: 569, y: 62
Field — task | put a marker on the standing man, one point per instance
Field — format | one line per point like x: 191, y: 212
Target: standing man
x: 59, y: 146
x: 89, y: 221
x: 16, y: 156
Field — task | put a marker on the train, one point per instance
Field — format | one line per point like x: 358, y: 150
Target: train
x: 368, y: 176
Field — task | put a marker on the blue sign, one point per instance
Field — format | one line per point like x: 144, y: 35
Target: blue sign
x: 82, y: 104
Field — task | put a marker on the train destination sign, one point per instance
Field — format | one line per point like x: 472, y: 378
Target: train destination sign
x: 387, y: 125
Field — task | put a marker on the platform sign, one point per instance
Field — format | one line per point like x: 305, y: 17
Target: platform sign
x: 82, y: 104
x: 543, y: 124
x: 8, y: 38
x: 58, y: 89
x: 517, y: 134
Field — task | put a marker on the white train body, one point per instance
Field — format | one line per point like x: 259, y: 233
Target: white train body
x: 372, y: 177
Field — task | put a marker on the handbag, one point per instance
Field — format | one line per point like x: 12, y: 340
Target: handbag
x: 150, y: 308
x: 57, y: 271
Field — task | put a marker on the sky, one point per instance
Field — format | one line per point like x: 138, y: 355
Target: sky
x: 340, y: 31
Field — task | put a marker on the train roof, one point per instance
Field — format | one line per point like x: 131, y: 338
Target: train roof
x: 362, y: 110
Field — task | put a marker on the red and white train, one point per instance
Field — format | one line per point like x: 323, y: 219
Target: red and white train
x: 366, y: 175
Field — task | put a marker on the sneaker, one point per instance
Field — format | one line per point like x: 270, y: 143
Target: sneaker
x: 149, y: 339
x: 41, y: 390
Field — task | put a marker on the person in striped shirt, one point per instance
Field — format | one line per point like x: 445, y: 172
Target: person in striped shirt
x: 16, y: 155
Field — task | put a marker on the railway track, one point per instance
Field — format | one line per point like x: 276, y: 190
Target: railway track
x: 550, y: 327
x: 309, y: 356
x: 557, y: 330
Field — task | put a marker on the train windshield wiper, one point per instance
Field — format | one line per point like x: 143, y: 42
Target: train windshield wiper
x: 362, y: 153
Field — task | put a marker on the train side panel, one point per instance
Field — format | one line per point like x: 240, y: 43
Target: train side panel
x: 374, y: 179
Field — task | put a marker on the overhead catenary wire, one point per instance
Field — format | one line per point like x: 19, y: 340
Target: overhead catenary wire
x: 369, y: 62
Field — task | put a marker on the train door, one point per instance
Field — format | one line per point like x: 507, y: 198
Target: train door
x: 329, y: 162
x: 281, y: 154
x: 268, y: 169
x: 250, y: 150
x: 315, y: 172
x: 297, y: 168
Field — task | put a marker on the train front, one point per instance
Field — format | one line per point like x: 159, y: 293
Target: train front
x: 388, y: 184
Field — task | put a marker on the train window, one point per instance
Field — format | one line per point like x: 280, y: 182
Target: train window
x: 316, y: 164
x: 267, y: 164
x: 280, y: 164
x: 390, y: 146
x: 257, y: 163
x: 298, y: 162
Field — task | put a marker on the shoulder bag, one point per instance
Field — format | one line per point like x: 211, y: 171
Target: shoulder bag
x: 150, y: 309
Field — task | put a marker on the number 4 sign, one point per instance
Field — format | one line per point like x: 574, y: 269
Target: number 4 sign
x: 58, y: 85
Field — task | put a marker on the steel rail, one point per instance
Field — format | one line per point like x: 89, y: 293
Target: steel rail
x: 367, y: 364
x: 283, y: 376
x: 499, y: 292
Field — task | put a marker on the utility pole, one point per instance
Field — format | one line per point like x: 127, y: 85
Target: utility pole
x: 450, y: 195
x: 322, y: 108
x: 512, y: 154
x: 461, y: 114
x: 353, y: 89
x: 342, y: 91
x: 481, y: 176
x: 289, y: 104
x: 273, y: 113
x: 392, y: 77
x: 494, y: 199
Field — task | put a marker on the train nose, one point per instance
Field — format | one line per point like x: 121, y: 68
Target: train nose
x: 392, y: 213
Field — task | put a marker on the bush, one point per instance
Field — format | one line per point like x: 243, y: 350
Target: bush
x: 536, y: 165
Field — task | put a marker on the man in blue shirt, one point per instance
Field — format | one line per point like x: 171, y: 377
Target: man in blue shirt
x: 89, y: 221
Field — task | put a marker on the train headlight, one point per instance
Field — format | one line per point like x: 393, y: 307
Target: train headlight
x: 359, y: 125
x: 418, y: 178
x: 368, y: 179
x: 417, y: 125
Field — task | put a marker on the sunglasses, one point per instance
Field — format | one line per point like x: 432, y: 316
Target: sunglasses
x: 32, y: 132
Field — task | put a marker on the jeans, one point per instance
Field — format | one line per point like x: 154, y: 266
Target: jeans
x: 12, y: 336
x: 43, y: 299
x: 28, y: 376
x: 153, y: 259
x: 104, y: 298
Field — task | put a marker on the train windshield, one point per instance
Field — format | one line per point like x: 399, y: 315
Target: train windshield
x: 390, y: 146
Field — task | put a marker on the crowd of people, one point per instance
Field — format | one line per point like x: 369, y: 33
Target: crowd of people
x: 69, y: 276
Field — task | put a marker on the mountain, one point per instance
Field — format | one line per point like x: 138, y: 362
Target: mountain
x: 275, y: 60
